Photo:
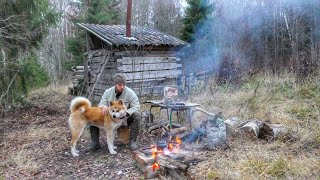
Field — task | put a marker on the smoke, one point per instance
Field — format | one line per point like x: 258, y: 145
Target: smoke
x: 230, y: 23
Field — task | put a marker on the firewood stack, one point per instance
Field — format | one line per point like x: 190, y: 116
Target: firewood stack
x: 156, y: 163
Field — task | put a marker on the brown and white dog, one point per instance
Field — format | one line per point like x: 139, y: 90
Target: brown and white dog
x: 83, y: 114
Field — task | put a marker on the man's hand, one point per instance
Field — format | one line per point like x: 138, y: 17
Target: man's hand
x: 104, y: 109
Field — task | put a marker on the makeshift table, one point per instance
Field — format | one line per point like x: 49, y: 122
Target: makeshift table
x: 177, y: 106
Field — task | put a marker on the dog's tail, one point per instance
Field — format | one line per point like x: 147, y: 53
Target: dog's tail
x: 80, y: 103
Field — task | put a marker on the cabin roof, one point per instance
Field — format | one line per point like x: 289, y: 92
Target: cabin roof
x: 140, y: 36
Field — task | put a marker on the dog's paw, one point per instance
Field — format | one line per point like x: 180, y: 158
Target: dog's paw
x: 113, y: 152
x: 114, y: 147
x: 75, y: 153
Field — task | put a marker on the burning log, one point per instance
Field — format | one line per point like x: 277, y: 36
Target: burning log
x: 147, y: 164
x: 165, y: 157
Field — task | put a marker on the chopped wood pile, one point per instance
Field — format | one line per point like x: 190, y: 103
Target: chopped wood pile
x: 155, y: 162
x: 77, y: 80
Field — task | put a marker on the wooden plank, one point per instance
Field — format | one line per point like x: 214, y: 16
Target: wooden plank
x: 99, y: 52
x: 100, y: 90
x: 77, y: 68
x: 145, y: 81
x: 148, y: 90
x: 144, y: 60
x: 100, y: 86
x: 99, y: 64
x: 148, y: 67
x: 97, y: 78
x: 99, y: 60
x: 78, y: 76
x: 144, y: 53
x: 153, y: 74
x: 78, y: 73
x: 107, y: 68
x: 96, y: 99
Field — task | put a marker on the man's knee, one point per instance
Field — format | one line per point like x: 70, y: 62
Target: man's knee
x: 136, y: 116
x: 135, y: 119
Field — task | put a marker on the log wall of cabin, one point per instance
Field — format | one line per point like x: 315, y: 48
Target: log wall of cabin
x: 147, y: 72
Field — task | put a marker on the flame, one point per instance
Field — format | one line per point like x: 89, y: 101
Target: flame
x: 170, y: 146
x: 153, y: 150
x: 178, y: 140
x: 174, y: 145
x: 155, y: 166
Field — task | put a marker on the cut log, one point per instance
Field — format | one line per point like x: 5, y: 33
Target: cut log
x: 124, y: 134
x: 178, y: 130
x: 256, y: 128
x: 159, y: 125
x: 174, y: 174
x: 174, y: 131
x: 171, y: 163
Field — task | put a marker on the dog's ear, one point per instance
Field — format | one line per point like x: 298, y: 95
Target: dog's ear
x: 111, y: 103
x: 120, y: 102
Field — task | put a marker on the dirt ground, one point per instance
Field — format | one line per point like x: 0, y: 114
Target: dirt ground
x: 35, y: 145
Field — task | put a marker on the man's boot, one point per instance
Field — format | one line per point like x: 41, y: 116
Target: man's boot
x: 95, y: 144
x: 134, y: 123
x: 133, y: 145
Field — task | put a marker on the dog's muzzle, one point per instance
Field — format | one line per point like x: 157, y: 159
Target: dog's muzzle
x: 114, y: 116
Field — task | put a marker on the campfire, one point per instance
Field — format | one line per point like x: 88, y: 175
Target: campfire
x: 169, y: 155
x: 165, y: 157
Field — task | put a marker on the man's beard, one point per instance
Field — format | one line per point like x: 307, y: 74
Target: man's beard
x: 118, y: 93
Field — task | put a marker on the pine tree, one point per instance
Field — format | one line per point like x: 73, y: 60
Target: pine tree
x: 94, y: 12
x: 23, y: 25
x: 196, y: 14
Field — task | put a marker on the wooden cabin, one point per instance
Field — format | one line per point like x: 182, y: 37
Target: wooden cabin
x: 147, y: 58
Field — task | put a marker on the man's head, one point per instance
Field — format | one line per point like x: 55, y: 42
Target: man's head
x: 120, y: 82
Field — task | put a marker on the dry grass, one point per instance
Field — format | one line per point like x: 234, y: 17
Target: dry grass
x: 275, y: 99
x: 52, y: 88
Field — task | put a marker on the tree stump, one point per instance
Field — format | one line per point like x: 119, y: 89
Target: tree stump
x: 124, y: 134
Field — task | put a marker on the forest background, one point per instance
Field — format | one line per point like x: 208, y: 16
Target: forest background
x: 39, y: 40
x: 264, y: 57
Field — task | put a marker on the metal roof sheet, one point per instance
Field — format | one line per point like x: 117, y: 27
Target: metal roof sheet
x: 116, y: 35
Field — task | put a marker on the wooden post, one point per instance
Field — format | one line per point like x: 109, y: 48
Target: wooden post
x: 85, y: 63
x: 105, y: 61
